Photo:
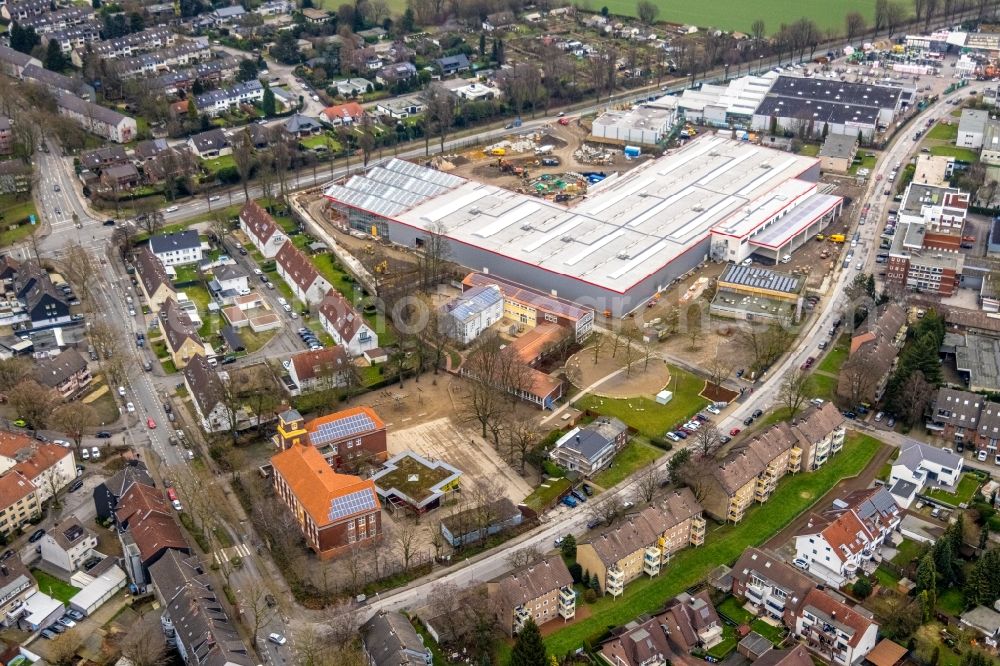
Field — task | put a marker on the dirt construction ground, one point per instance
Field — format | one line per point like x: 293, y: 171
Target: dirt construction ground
x: 463, y: 448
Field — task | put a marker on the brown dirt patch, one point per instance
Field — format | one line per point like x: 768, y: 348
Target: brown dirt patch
x: 644, y: 379
x: 552, y: 626
x: 716, y: 393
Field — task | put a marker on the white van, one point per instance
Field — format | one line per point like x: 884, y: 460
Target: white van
x: 785, y: 259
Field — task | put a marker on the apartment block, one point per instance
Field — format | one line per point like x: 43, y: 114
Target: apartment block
x: 542, y: 592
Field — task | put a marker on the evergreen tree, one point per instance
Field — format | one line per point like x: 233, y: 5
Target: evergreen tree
x: 595, y: 583
x: 927, y: 584
x: 192, y: 111
x: 585, y: 580
x: 984, y: 536
x: 54, y: 59
x: 408, y: 23
x: 983, y: 585
x: 23, y: 39
x: 568, y: 547
x: 529, y: 650
x: 482, y: 44
x: 268, y: 104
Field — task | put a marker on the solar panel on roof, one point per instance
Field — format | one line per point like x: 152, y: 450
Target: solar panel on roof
x: 352, y: 503
x: 341, y: 428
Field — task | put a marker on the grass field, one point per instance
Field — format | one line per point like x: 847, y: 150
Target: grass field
x: 13, y: 212
x: 722, y: 546
x: 967, y: 486
x: 636, y: 455
x: 942, y: 132
x: 835, y: 357
x: 734, y: 15
x: 546, y: 492
x: 644, y: 414
x: 54, y: 587
x: 951, y: 601
x: 963, y: 154
x: 824, y: 386
x: 907, y: 552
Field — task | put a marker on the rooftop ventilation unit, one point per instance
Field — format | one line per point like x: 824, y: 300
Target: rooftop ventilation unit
x: 525, y: 227
x: 474, y: 210
x: 623, y: 255
x: 566, y: 239
x: 698, y: 209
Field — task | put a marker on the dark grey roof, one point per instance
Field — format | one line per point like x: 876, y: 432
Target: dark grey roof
x: 52, y: 372
x: 151, y: 271
x: 761, y: 278
x: 89, y: 110
x: 179, y: 240
x: 903, y: 488
x: 229, y: 272
x: 390, y: 640
x: 213, y: 139
x: 958, y: 408
x: 827, y: 100
x: 206, y: 387
x: 122, y: 480
x: 914, y: 453
x: 455, y: 61
x: 590, y: 440
x: 8, y: 54
x: 840, y: 146
x: 299, y: 123
x: 989, y: 420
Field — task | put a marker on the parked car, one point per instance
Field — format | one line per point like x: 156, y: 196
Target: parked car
x: 36, y: 535
x: 95, y: 453
x: 76, y: 485
x: 982, y: 455
x: 130, y: 407
x: 757, y: 413
x: 48, y: 635
x: 103, y: 434
x: 7, y: 555
x: 801, y: 563
x: 75, y: 614
x: 681, y: 434
x: 712, y: 409
x: 748, y: 421
x: 66, y: 621
x: 672, y: 437
x: 84, y: 454
x: 734, y: 432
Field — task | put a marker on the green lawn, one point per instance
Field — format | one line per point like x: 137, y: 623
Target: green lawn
x: 217, y: 164
x: 809, y: 149
x: 963, y: 154
x: 54, y: 587
x: 886, y: 578
x: 967, y: 487
x: 835, y: 357
x: 339, y: 279
x: 770, y: 632
x: 907, y: 552
x: 644, y: 414
x: 14, y: 212
x: 636, y: 455
x: 722, y: 546
x: 824, y: 386
x: 865, y: 163
x: 951, y: 601
x: 545, y: 493
x: 734, y: 15
x: 942, y: 132
x: 187, y: 273
x: 722, y: 649
x: 732, y: 608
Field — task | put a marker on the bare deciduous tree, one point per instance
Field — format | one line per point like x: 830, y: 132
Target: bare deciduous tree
x: 521, y: 436
x: 708, y: 439
x: 794, y: 391
x: 33, y: 402
x: 406, y: 538
x: 74, y: 418
x: 12, y: 371
x: 143, y: 645
x: 524, y: 557
x: 342, y: 621
x: 243, y: 158
x: 78, y: 267
x: 440, y: 111
x: 605, y: 510
x: 646, y: 483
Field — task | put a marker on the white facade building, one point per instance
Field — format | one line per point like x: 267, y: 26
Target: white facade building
x: 183, y: 247
x: 924, y: 465
x: 473, y: 312
x: 67, y: 545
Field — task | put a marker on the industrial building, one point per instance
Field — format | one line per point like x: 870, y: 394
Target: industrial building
x: 813, y: 105
x: 630, y: 238
x: 971, y: 128
x: 730, y: 105
x: 643, y: 125
x: 757, y: 294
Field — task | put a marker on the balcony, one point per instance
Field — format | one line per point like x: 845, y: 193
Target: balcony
x: 711, y: 637
x: 735, y: 513
x: 795, y: 458
x: 567, y: 603
x: 615, y: 582
x: 697, y: 531
x: 651, y: 561
x: 521, y: 616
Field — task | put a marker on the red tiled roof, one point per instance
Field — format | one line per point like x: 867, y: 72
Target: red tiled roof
x: 845, y: 614
x: 258, y: 222
x: 327, y: 361
x: 139, y: 498
x: 297, y: 266
x: 14, y: 486
x: 42, y: 458
x: 341, y: 314
x: 153, y: 531
x: 351, y: 110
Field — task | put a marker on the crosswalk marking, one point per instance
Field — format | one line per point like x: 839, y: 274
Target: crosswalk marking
x: 241, y: 550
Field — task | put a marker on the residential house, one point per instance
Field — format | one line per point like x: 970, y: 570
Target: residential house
x: 180, y: 335
x: 16, y: 585
x: 177, y: 248
x: 274, y: 8
x: 796, y: 656
x: 150, y: 39
x: 207, y: 395
x: 836, y: 632
x: 956, y: 414
x: 66, y: 373
x: 176, y: 163
x: 643, y: 542
x: 315, y: 16
x: 334, y: 511
x: 467, y: 526
x: 400, y: 108
x: 988, y: 433
x: 19, y: 503
x: 107, y: 494
x: 19, y: 10
x: 772, y: 588
x: 6, y: 136
x: 872, y: 357
x: 449, y: 65
x: 222, y: 100
x: 102, y: 158
x: 350, y: 437
x: 476, y: 92
x: 97, y: 119
x: 229, y: 280
x: 58, y: 83
x: 472, y: 312
x: 48, y: 467
x: 983, y: 621
x: 154, y: 282
x: 499, y: 21
x: 750, y: 473
x: 395, y: 73
x: 261, y: 229
x: 590, y: 449
x: 146, y: 530
x: 389, y: 639
x: 301, y: 126
x: 348, y: 88
x: 846, y: 539
x: 541, y: 591
x: 67, y: 545
x: 346, y: 325
x: 820, y: 434
x: 120, y: 177
x: 211, y: 144
x: 230, y: 15
x: 349, y: 113
x: 926, y: 466
x: 194, y: 618
x: 145, y: 151
x: 12, y: 63
x: 301, y: 275
x: 319, y: 369
x: 45, y: 304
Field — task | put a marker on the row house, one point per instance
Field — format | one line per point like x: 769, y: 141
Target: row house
x: 836, y: 632
x: 820, y: 434
x: 16, y: 585
x: 97, y: 119
x: 846, y: 539
x: 6, y: 136
x: 301, y: 275
x: 101, y: 158
x: 19, y: 503
x: 205, y: 387
x: 107, y: 494
x: 258, y: 225
x: 31, y: 472
x: 19, y: 10
x: 146, y: 530
x: 643, y: 542
x: 12, y: 63
x: 150, y: 39
x: 67, y: 373
x: 966, y: 418
x: 56, y: 82
x: 345, y: 324
x: 388, y: 638
x: 347, y: 438
x: 541, y: 592
x: 211, y: 73
x: 335, y: 512
x: 590, y: 449
x: 218, y: 102
x: 154, y: 282
x: 180, y: 55
x: 689, y: 622
x: 873, y: 353
x: 58, y: 19
x: 75, y: 38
